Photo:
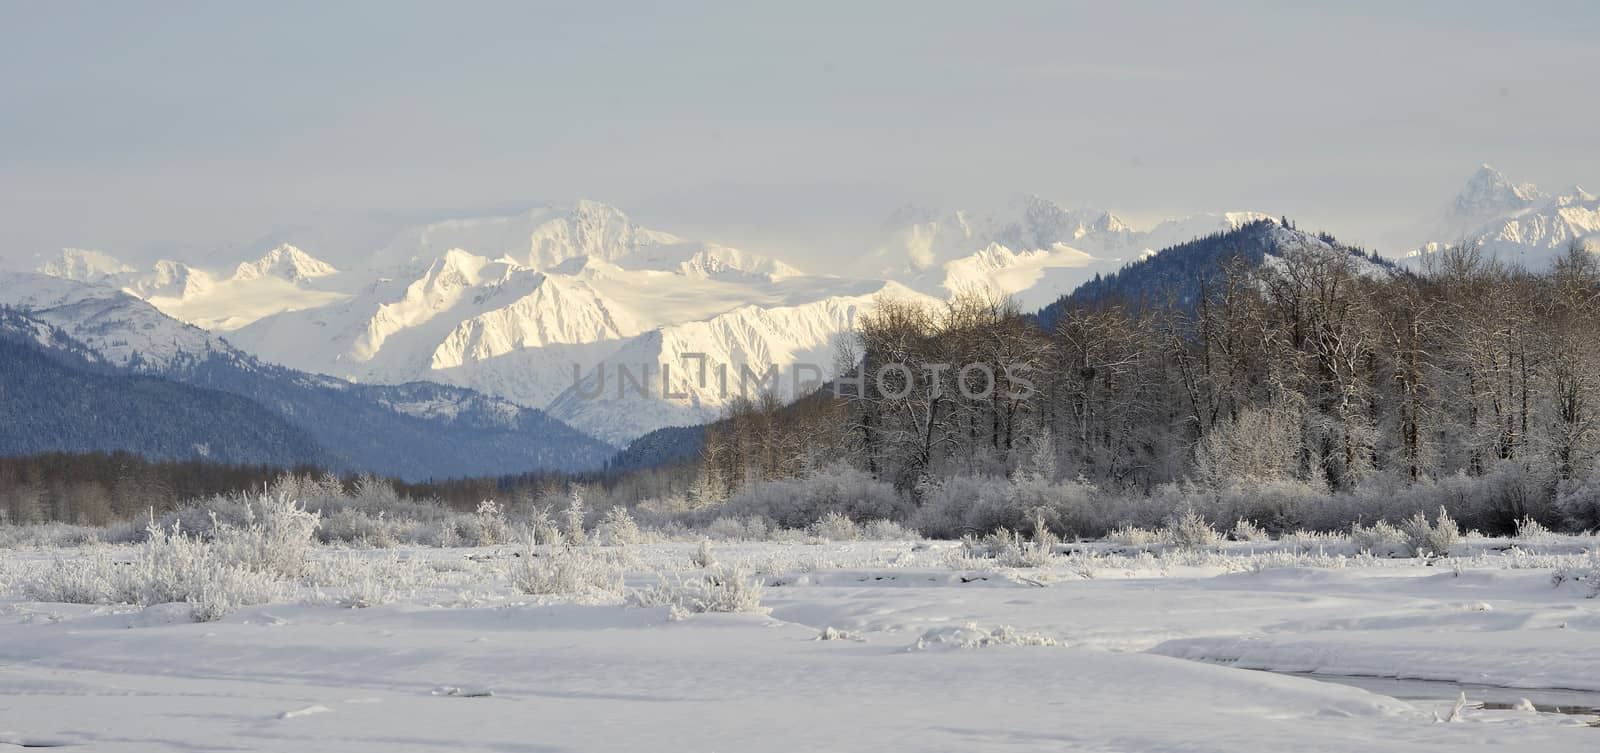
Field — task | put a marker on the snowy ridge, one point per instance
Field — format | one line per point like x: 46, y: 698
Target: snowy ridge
x: 85, y: 265
x: 123, y: 330
x: 284, y: 279
x: 1515, y: 223
x: 17, y: 325
x: 750, y: 338
x: 412, y: 431
x: 1035, y: 251
x: 540, y: 238
x: 287, y: 263
x: 512, y: 305
x: 1489, y: 193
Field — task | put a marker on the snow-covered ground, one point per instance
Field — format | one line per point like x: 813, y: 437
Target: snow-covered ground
x: 1102, y: 649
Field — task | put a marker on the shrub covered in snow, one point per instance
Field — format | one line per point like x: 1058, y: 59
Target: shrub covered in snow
x: 574, y: 528
x: 980, y: 504
x: 972, y: 636
x: 1530, y: 531
x: 1244, y: 530
x: 704, y: 557
x: 887, y: 530
x: 1381, y: 538
x: 566, y: 571
x: 1578, y: 501
x: 237, y: 565
x: 275, y: 538
x: 618, y: 528
x: 1187, y: 530
x: 1436, y: 539
x: 491, y: 527
x: 359, y: 582
x: 836, y: 526
x: 724, y: 589
x: 798, y: 503
x: 1134, y: 536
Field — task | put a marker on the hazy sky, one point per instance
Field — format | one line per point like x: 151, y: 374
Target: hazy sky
x: 138, y: 127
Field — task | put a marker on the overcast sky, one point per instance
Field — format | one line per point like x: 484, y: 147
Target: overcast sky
x: 141, y: 127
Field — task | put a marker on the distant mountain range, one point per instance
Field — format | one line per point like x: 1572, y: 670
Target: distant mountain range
x: 1514, y: 222
x: 108, y: 341
x: 56, y: 394
x: 537, y: 308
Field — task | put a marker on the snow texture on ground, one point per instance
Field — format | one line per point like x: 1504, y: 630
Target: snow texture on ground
x: 1096, y: 652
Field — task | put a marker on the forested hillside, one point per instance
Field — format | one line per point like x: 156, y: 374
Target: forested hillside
x: 1175, y: 276
x: 57, y: 399
x: 1297, y: 385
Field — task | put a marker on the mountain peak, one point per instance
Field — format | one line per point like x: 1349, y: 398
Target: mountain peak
x: 1489, y: 192
x: 285, y: 262
x: 84, y: 265
x: 1576, y: 194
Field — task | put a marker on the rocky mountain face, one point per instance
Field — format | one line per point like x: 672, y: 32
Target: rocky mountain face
x: 1516, y: 223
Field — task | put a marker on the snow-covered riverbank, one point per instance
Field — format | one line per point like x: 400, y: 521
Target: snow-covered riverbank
x: 929, y: 651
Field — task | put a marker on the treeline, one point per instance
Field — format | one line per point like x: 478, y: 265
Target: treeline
x: 100, y: 488
x: 1318, y: 369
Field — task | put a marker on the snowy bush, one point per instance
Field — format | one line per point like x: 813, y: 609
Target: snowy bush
x: 490, y: 526
x: 352, y: 526
x: 214, y: 577
x: 1013, y: 551
x: 1303, y: 541
x: 704, y: 557
x: 1244, y: 530
x: 836, y: 526
x: 275, y: 538
x: 737, y: 529
x: 1134, y: 536
x: 1530, y: 531
x: 618, y: 528
x: 1275, y: 505
x: 1578, y: 501
x: 57, y: 535
x: 887, y: 530
x: 566, y: 571
x: 543, y: 529
x: 724, y: 589
x: 92, y: 579
x: 972, y: 636
x: 981, y: 504
x: 798, y: 503
x: 1379, y: 538
x: 359, y: 582
x: 1586, y: 573
x: 178, y: 568
x: 1434, y: 539
x: 573, y: 529
x: 1005, y: 548
x: 238, y: 563
x: 1187, y: 530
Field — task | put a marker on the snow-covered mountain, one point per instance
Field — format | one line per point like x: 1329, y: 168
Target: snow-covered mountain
x: 533, y: 307
x: 542, y: 237
x: 1174, y: 275
x: 1034, y: 250
x: 522, y: 328
x: 414, y: 431
x: 284, y: 279
x: 119, y: 328
x: 1516, y: 223
x: 695, y: 368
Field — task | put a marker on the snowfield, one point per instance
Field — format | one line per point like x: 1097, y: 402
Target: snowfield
x: 855, y: 645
